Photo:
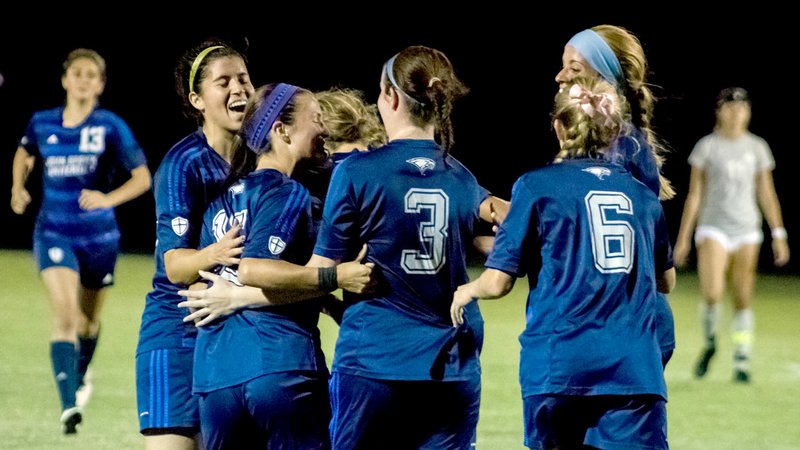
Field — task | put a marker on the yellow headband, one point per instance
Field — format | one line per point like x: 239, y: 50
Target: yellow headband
x: 196, y: 64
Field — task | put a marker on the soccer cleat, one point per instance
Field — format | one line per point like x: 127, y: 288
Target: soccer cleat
x: 702, y: 364
x: 71, y: 417
x: 741, y: 376
x: 84, y: 392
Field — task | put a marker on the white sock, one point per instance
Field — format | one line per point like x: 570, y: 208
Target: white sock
x: 743, y: 332
x: 710, y: 318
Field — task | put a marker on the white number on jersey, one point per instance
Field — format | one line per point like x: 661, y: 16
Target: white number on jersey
x: 432, y: 233
x: 612, y: 239
x: 93, y: 139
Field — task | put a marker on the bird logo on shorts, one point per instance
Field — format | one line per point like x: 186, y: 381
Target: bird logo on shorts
x: 180, y: 225
x: 422, y: 164
x: 276, y: 245
x: 599, y: 172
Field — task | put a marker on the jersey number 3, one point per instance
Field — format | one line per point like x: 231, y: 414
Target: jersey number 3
x: 432, y: 232
x: 612, y: 237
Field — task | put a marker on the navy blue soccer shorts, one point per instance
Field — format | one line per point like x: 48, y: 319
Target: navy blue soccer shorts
x: 370, y: 413
x: 164, y: 392
x: 288, y: 410
x: 93, y: 258
x: 601, y: 421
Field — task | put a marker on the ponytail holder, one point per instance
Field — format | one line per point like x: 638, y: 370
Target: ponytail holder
x: 594, y: 104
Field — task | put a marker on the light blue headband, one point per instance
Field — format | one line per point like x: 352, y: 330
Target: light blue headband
x: 390, y: 75
x: 256, y: 132
x: 599, y: 55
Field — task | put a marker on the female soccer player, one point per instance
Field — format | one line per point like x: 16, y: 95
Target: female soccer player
x: 76, y: 239
x: 214, y: 85
x: 594, y: 244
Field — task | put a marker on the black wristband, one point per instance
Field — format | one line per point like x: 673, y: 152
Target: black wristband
x: 327, y: 279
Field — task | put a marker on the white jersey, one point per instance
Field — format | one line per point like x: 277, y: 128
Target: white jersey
x: 731, y: 167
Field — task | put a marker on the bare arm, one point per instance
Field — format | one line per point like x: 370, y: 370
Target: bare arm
x: 20, y: 170
x: 223, y: 297
x: 138, y: 184
x: 294, y: 281
x: 768, y: 201
x: 183, y: 264
x: 484, y: 244
x: 491, y: 284
x: 494, y: 210
x: 220, y: 299
x: 683, y: 244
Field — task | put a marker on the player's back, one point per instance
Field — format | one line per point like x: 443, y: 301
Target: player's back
x: 602, y: 239
x: 415, y: 207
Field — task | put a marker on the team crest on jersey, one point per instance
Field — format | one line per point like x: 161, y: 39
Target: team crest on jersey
x: 180, y: 225
x: 236, y: 189
x: 599, y: 172
x: 422, y: 164
x: 221, y: 223
x: 52, y: 139
x: 55, y: 254
x: 276, y: 245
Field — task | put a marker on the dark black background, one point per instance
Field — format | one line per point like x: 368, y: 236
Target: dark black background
x: 508, y: 57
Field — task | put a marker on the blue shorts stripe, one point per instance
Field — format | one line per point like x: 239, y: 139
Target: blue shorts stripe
x: 333, y: 393
x: 165, y: 389
x: 152, y: 403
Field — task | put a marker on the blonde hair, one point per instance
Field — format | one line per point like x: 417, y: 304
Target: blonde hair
x: 629, y: 52
x: 588, y: 131
x: 349, y: 119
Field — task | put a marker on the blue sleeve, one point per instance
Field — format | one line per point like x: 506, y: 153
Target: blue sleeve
x: 179, y: 204
x: 28, y: 141
x: 338, y: 217
x: 511, y: 246
x: 129, y: 152
x: 663, y: 247
x: 641, y: 162
x: 207, y: 232
x: 483, y: 193
x: 272, y: 219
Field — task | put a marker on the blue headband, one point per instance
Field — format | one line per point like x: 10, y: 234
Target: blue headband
x: 390, y: 75
x: 599, y: 55
x: 256, y: 132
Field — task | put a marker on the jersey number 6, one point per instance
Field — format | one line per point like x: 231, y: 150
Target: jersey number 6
x: 612, y: 237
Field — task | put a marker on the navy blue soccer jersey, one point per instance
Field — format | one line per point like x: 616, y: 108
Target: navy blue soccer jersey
x: 275, y: 213
x: 415, y: 207
x: 189, y: 177
x: 637, y: 156
x: 591, y: 240
x: 76, y: 158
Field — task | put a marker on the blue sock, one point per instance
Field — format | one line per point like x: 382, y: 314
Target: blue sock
x: 65, y: 369
x: 87, y: 345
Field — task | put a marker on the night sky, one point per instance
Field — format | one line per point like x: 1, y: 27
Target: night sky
x: 508, y: 58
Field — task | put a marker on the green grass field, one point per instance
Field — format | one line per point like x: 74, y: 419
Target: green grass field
x: 710, y: 414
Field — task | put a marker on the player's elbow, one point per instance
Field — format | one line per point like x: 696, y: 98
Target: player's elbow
x: 246, y: 273
x: 666, y: 282
x: 497, y: 283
